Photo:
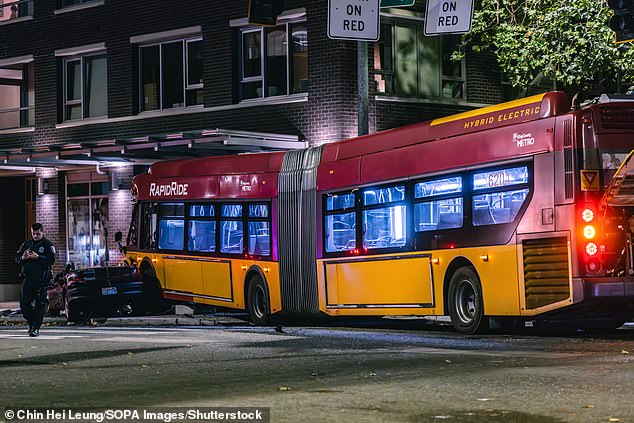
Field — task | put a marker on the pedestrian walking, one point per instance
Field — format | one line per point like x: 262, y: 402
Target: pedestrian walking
x: 35, y: 257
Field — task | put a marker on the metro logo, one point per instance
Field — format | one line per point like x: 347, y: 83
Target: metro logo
x: 166, y: 190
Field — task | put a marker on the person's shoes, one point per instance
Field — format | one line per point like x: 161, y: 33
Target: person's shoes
x: 34, y: 332
x: 30, y: 329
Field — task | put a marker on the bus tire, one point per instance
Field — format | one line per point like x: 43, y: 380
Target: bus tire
x: 466, y: 307
x: 258, y: 302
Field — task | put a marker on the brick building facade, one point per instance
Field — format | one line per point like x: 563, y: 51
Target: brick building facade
x: 85, y: 74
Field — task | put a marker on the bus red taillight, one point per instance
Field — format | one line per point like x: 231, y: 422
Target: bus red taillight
x: 587, y: 215
x: 591, y: 249
x: 589, y: 232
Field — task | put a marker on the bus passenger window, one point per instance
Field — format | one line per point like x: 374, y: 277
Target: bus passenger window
x: 202, y: 236
x: 340, y: 202
x: 202, y: 210
x: 497, y: 207
x: 231, y: 240
x: 340, y: 232
x: 384, y: 227
x: 259, y: 238
x: 436, y: 215
x: 258, y: 210
x: 171, y: 235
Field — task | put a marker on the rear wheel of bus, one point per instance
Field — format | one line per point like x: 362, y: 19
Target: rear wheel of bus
x: 466, y: 307
x: 258, y: 302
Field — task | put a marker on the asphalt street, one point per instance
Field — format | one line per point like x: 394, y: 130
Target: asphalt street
x: 325, y: 374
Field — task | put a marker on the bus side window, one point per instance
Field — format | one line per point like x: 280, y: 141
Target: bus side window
x: 231, y: 240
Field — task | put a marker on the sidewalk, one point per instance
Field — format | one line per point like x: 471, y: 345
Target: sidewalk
x: 8, y: 318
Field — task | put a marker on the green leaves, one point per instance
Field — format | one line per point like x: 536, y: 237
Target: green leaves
x: 565, y: 41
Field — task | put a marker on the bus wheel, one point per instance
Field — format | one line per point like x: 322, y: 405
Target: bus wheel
x: 258, y: 301
x: 465, y: 302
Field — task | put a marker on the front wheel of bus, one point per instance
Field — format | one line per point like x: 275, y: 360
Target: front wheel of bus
x: 465, y: 302
x: 258, y: 302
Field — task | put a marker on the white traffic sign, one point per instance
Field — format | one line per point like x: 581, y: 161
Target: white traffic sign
x: 448, y: 17
x: 353, y: 19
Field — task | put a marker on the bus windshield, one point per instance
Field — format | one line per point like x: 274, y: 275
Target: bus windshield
x: 610, y: 162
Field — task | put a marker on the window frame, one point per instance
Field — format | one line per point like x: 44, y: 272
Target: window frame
x: 406, y: 202
x: 417, y: 25
x: 529, y: 185
x: 189, y: 218
x: 26, y: 87
x: 185, y: 41
x: 164, y: 217
x: 340, y: 211
x: 66, y: 103
x: 263, y: 54
x: 463, y: 194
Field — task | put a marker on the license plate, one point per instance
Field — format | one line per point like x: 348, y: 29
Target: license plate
x: 111, y: 290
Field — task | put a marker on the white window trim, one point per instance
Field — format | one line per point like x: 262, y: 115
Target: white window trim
x: 91, y: 49
x: 152, y: 114
x: 171, y: 35
x: 442, y: 101
x: 286, y: 16
x: 18, y: 60
x: 16, y: 20
x: 80, y: 6
x: 17, y: 130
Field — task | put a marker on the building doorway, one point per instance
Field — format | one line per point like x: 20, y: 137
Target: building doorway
x: 87, y: 219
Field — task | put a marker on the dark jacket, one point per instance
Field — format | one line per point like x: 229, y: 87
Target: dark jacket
x: 36, y: 269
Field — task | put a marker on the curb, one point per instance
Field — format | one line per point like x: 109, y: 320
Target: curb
x: 174, y: 320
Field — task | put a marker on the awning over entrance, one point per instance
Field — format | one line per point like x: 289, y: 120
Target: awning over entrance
x: 147, y: 149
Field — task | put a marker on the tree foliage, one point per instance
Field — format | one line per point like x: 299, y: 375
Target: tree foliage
x: 567, y: 41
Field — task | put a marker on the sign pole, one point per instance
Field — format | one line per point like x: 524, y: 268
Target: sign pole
x: 363, y: 126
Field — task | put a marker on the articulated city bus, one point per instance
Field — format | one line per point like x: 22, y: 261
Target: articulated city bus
x: 520, y: 211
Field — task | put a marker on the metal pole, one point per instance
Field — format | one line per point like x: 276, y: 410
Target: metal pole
x: 362, y: 88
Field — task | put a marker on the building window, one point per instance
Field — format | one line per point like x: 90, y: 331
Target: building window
x: 409, y: 64
x: 17, y: 96
x: 13, y: 9
x: 85, y: 87
x: 67, y: 3
x: 171, y: 74
x: 270, y: 65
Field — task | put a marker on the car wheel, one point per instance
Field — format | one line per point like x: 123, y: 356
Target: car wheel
x: 52, y: 309
x: 258, y: 302
x: 466, y: 307
x: 72, y: 313
x: 152, y: 301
